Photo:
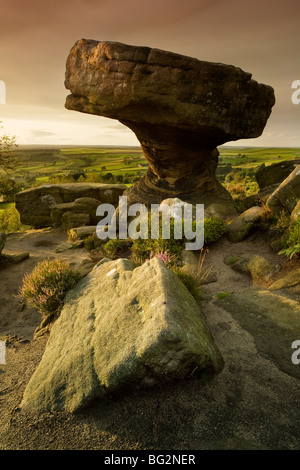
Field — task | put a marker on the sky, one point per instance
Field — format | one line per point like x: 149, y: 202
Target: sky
x: 259, y: 36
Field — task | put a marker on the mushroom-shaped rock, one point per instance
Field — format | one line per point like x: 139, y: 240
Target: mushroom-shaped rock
x: 180, y: 109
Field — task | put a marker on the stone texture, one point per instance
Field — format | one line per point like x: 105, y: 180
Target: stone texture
x: 275, y: 173
x: 273, y: 321
x: 35, y: 205
x: 14, y: 257
x: 295, y: 215
x: 244, y: 224
x: 2, y: 240
x: 70, y: 220
x: 83, y: 205
x: 291, y: 279
x: 287, y: 195
x: 121, y: 329
x: 265, y: 193
x: 258, y: 267
x: 261, y: 269
x: 79, y: 233
x: 180, y: 109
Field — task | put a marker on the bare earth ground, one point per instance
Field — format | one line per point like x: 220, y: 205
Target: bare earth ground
x: 251, y: 404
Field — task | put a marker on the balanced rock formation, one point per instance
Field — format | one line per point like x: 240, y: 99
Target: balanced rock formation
x: 122, y: 328
x: 180, y: 109
x: 36, y: 205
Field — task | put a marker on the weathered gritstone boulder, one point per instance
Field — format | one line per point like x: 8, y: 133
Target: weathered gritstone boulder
x: 287, y: 195
x: 275, y: 173
x: 69, y: 214
x: 35, y: 205
x: 295, y: 215
x: 244, y: 224
x: 121, y: 329
x: 180, y: 109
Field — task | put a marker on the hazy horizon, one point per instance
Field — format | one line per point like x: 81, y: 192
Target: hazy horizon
x: 36, y: 37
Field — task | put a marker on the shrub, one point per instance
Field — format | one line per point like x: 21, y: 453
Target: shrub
x: 46, y: 286
x: 189, y: 281
x: 168, y: 259
x: 291, y: 240
x: 8, y: 188
x: 89, y: 243
x: 214, y: 229
x: 10, y: 220
x: 116, y: 247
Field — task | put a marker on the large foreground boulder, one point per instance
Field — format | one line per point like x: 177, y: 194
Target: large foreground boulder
x: 35, y: 205
x: 121, y: 329
x: 180, y: 109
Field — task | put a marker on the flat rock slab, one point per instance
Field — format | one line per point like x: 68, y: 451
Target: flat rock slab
x: 141, y: 84
x: 272, y: 320
x: 121, y: 329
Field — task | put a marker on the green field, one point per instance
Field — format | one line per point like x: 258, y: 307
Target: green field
x: 36, y: 166
x: 48, y: 162
x: 124, y: 165
x: 252, y: 157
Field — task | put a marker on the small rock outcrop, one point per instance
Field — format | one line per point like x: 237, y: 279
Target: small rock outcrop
x: 36, y: 206
x: 122, y: 328
x: 244, y: 224
x: 287, y: 195
x: 180, y: 109
x: 75, y: 214
x: 275, y: 173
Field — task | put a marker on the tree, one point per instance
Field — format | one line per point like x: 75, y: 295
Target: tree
x: 7, y: 144
x: 8, y: 188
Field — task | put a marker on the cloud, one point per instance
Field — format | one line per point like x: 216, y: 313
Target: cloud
x: 41, y: 133
x: 36, y: 36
